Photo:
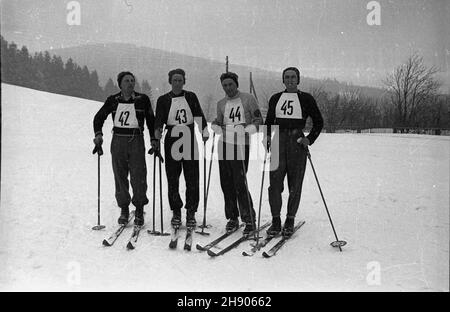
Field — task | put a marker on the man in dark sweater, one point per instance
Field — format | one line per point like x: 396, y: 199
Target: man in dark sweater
x: 289, y: 110
x: 178, y: 110
x: 129, y: 109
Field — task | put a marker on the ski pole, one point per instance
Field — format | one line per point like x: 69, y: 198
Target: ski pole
x: 98, y: 149
x: 205, y: 195
x: 210, y: 165
x: 244, y: 167
x: 260, y: 196
x: 338, y: 243
x: 154, y: 232
x: 160, y: 196
x: 209, y: 180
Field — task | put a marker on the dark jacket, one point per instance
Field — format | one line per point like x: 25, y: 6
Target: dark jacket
x: 309, y: 109
x: 143, y: 109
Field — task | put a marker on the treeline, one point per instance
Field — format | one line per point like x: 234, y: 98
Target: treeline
x: 49, y: 73
x: 352, y: 110
x: 411, y: 99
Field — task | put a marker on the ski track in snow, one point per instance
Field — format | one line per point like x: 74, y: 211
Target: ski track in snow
x: 388, y: 196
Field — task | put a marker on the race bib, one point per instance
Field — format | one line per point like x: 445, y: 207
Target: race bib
x: 180, y: 113
x: 125, y: 116
x: 288, y: 106
x: 234, y: 113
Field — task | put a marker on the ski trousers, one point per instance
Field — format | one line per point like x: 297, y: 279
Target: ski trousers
x: 291, y: 162
x: 233, y: 180
x: 128, y: 158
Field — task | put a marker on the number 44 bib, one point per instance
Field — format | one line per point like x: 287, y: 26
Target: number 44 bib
x: 125, y: 116
x: 234, y: 113
x: 288, y: 106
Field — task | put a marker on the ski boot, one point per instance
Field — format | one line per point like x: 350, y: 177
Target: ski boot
x: 249, y: 227
x: 124, y: 215
x: 190, y: 220
x: 176, y: 218
x: 288, y: 228
x: 275, y: 228
x: 232, y: 225
x: 139, y: 216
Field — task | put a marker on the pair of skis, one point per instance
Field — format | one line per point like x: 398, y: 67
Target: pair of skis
x: 272, y: 251
x: 108, y: 242
x: 217, y: 240
x: 232, y: 245
x: 175, y: 235
x: 236, y: 243
x: 261, y: 244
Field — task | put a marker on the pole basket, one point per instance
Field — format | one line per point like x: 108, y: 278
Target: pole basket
x: 202, y: 233
x: 203, y: 227
x: 98, y: 227
x: 156, y: 233
x: 254, y: 238
x: 338, y: 244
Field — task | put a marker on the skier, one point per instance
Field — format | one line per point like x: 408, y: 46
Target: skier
x: 129, y: 109
x: 289, y: 110
x: 177, y: 110
x: 238, y: 116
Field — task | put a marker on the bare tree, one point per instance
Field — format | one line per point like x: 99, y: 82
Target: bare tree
x: 321, y: 97
x: 329, y: 106
x: 351, y: 109
x: 411, y: 85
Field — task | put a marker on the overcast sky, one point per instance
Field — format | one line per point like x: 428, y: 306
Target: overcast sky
x: 328, y: 38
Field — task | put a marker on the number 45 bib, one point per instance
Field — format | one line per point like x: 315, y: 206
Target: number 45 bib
x: 125, y: 116
x: 180, y: 113
x: 288, y: 106
x: 234, y: 113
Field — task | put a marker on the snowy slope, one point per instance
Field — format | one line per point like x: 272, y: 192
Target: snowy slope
x: 388, y: 196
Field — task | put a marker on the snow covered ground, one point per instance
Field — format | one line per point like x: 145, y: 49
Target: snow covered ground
x: 388, y: 195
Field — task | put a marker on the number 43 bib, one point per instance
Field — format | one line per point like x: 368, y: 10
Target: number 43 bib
x: 180, y: 112
x: 288, y: 106
x: 125, y: 116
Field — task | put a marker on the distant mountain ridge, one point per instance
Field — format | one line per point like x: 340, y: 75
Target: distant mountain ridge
x: 202, y: 75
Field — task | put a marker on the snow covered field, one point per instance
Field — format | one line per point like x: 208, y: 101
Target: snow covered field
x: 388, y: 195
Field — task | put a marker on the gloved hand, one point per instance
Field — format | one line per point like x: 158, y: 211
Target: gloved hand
x: 250, y: 129
x: 155, y: 145
x: 98, y: 140
x: 304, y: 142
x: 156, y: 149
x: 205, y: 134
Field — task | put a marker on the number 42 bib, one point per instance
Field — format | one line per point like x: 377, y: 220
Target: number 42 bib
x: 125, y: 116
x: 288, y: 106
